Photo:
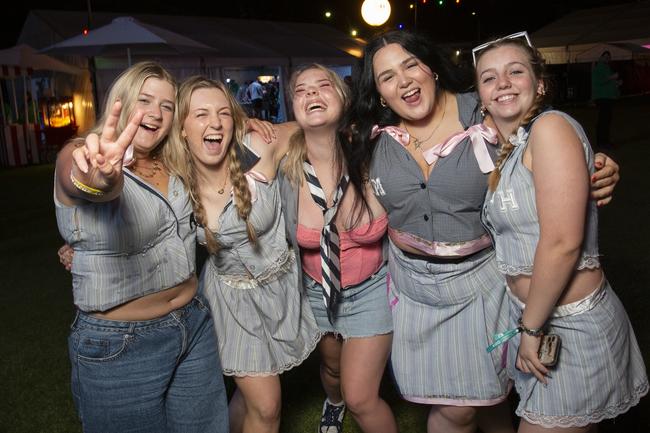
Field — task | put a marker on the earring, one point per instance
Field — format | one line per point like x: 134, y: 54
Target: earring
x: 435, y: 76
x: 382, y: 102
x: 542, y: 92
x: 483, y: 110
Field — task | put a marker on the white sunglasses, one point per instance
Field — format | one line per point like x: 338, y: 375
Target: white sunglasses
x: 523, y: 34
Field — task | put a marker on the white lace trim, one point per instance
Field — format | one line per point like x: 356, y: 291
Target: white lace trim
x: 282, y: 265
x: 585, y: 262
x: 550, y: 421
x: 507, y: 269
x: 286, y: 367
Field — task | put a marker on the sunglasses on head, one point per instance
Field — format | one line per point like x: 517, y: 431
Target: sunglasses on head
x: 517, y: 35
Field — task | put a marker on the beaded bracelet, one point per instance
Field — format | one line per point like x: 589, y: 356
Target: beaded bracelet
x: 533, y: 332
x: 85, y: 188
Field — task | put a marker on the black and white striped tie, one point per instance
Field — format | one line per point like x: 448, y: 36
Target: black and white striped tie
x: 329, y: 239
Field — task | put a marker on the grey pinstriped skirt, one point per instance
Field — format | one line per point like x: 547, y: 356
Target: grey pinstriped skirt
x: 263, y: 328
x: 600, y: 371
x: 444, y: 319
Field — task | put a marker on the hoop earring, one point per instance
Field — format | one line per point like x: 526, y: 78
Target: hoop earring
x: 435, y: 76
x: 382, y: 102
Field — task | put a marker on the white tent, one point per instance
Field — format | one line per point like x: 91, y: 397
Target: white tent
x: 581, y: 36
x: 239, y: 45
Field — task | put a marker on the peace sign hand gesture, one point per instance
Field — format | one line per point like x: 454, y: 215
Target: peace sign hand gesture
x: 100, y: 157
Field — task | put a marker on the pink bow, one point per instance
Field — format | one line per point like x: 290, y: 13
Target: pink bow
x: 400, y: 135
x: 478, y: 135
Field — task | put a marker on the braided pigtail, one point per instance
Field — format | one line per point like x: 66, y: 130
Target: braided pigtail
x: 192, y: 185
x: 242, y: 194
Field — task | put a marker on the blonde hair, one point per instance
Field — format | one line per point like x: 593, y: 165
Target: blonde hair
x: 126, y: 88
x: 292, y: 166
x: 182, y: 164
x: 537, y: 64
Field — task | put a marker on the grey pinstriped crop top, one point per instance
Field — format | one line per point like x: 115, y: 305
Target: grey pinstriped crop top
x: 137, y: 244
x: 510, y: 212
x: 447, y: 206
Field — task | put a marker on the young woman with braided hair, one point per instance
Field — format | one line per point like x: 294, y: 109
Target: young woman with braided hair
x: 545, y: 232
x: 264, y: 324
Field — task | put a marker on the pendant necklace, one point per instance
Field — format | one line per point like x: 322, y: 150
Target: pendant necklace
x: 221, y: 190
x: 417, y: 143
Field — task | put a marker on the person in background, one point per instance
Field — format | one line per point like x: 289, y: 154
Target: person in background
x: 545, y: 231
x: 605, y: 85
x: 256, y: 96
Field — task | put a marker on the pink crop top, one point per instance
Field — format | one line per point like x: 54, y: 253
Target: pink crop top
x: 361, y: 251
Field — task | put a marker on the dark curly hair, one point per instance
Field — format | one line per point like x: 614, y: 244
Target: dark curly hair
x: 366, y: 111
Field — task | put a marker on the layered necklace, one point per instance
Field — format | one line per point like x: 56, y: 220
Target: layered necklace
x: 418, y: 142
x: 150, y: 171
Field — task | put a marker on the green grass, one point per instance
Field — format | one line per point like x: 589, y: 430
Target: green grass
x: 36, y: 302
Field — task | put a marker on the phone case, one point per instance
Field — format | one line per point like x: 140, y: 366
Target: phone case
x: 549, y: 349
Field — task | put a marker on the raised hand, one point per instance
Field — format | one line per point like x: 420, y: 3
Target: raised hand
x: 101, y: 156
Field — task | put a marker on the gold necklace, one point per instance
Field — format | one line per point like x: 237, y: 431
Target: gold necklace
x: 221, y: 190
x: 416, y: 141
x: 153, y: 169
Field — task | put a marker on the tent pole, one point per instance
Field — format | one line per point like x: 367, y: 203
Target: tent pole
x: 93, y: 84
x: 13, y: 90
x: 25, y: 99
x: 2, y: 101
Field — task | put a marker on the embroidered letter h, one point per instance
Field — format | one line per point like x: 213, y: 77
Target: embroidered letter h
x: 507, y: 198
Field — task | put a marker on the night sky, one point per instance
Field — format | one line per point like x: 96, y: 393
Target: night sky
x: 451, y: 22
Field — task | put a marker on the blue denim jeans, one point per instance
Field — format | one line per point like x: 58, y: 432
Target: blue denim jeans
x: 153, y: 376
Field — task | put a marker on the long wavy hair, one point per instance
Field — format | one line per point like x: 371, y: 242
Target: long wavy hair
x: 292, y: 166
x: 366, y: 110
x: 538, y: 66
x: 126, y: 88
x: 183, y: 164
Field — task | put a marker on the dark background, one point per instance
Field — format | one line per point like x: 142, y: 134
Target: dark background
x: 451, y: 22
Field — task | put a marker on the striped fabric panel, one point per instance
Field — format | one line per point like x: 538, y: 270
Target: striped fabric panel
x: 511, y: 213
x: 138, y: 244
x: 443, y: 322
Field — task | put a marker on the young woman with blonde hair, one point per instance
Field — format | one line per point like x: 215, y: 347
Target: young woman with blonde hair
x: 263, y: 321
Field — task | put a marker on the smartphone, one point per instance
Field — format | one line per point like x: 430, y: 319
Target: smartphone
x: 549, y: 349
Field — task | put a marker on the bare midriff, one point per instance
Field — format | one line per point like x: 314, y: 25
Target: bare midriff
x: 582, y: 283
x: 154, y: 305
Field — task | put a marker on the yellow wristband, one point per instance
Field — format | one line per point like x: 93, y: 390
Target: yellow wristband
x: 85, y: 188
